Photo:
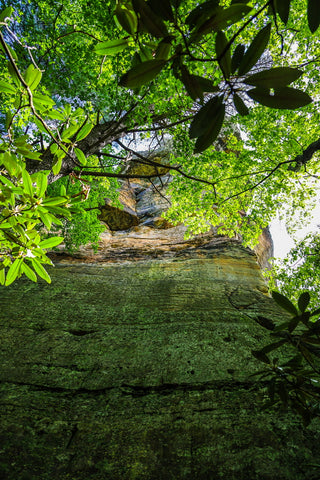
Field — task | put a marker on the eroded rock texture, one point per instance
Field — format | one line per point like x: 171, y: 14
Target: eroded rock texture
x: 135, y: 363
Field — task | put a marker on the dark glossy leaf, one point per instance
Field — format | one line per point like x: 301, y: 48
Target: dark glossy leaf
x: 142, y: 74
x: 271, y: 388
x: 240, y: 106
x: 127, y: 18
x: 214, y: 126
x: 192, y: 86
x: 205, y: 84
x: 163, y: 9
x: 163, y: 50
x: 111, y: 47
x: 306, y: 353
x: 149, y: 20
x: 284, y: 302
x: 315, y: 312
x: 237, y: 57
x: 313, y: 15
x: 223, y: 55
x: 294, y: 361
x: 207, y: 122
x: 304, y: 301
x: 213, y: 130
x: 145, y: 53
x: 222, y: 18
x: 259, y: 355
x: 204, y: 10
x: 282, y: 7
x: 265, y: 322
x: 284, y: 98
x: 294, y: 323
x: 274, y: 78
x: 200, y: 122
x: 273, y: 346
x: 283, y: 393
x: 314, y: 341
x: 255, y: 50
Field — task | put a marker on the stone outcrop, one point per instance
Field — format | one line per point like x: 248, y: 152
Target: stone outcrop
x: 135, y: 363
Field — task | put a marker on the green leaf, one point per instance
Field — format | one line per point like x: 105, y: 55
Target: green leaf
x: 84, y: 132
x: 282, y: 7
x: 13, y: 74
x: 51, y: 242
x: 112, y: 47
x: 284, y: 98
x: 127, y: 18
x: 32, y: 76
x: 27, y: 183
x: 2, y: 274
x: 6, y: 13
x: 313, y: 15
x: 54, y: 201
x: 237, y: 57
x: 13, y: 271
x: 42, y: 183
x: 45, y: 217
x: 240, y: 106
x: 274, y: 78
x: 303, y: 301
x: 40, y: 100
x: 56, y: 167
x: 142, y: 74
x: 255, y: 50
x: 28, y: 272
x: 225, y: 60
x: 80, y: 156
x: 40, y: 270
x: 69, y: 132
x: 7, y: 87
x: 284, y: 302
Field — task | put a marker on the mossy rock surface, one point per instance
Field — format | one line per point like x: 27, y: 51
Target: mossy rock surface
x: 140, y: 370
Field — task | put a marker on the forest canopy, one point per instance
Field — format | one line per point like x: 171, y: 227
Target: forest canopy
x: 232, y: 85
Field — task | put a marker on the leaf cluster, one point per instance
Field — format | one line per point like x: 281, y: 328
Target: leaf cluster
x: 170, y: 38
x: 292, y: 377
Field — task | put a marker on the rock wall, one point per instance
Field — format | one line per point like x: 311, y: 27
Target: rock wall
x: 135, y: 364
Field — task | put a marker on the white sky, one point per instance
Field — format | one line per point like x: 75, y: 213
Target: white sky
x: 283, y: 242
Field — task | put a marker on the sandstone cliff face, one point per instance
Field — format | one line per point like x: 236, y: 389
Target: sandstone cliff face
x: 135, y: 364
